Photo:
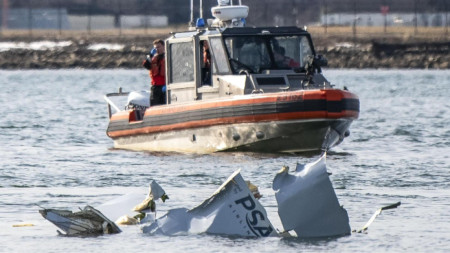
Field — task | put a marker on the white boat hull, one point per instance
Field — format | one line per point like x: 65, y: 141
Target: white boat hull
x: 282, y: 136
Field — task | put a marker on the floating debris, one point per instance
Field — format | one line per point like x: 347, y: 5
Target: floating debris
x: 127, y: 220
x: 254, y: 189
x: 87, y: 222
x: 307, y: 202
x: 155, y: 192
x: 231, y: 210
x: 125, y: 211
x: 375, y: 215
x: 121, y: 206
x: 23, y: 225
x: 307, y: 205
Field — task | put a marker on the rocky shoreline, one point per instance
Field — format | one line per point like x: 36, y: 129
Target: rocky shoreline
x: 375, y: 55
x: 340, y: 52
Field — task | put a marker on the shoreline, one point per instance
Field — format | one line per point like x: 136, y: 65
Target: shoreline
x: 340, y: 51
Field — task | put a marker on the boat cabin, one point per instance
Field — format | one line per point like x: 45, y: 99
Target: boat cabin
x: 240, y: 61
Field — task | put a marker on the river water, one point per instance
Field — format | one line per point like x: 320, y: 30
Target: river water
x: 55, y: 154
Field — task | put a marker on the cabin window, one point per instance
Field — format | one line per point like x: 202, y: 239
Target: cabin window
x: 285, y: 48
x: 248, y: 53
x: 181, y: 62
x: 255, y: 54
x: 220, y: 58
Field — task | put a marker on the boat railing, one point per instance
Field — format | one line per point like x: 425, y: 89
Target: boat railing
x: 111, y: 103
x: 255, y: 90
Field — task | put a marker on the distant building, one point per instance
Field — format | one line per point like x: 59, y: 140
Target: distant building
x: 437, y: 19
x: 23, y: 18
x: 80, y: 22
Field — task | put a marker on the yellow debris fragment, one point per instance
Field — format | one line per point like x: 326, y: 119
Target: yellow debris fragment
x: 23, y: 225
x: 254, y: 190
x: 148, y: 203
x: 126, y: 220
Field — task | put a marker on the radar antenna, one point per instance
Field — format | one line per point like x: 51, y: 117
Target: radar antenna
x: 228, y: 15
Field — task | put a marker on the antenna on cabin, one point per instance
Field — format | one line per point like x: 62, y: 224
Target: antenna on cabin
x: 200, y: 23
x: 191, y: 23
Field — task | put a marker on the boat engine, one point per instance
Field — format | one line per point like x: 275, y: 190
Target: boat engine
x: 138, y: 100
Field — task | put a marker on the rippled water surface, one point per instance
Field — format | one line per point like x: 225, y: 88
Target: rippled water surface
x: 55, y: 153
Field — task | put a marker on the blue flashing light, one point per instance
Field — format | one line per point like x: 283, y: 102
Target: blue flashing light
x: 200, y: 23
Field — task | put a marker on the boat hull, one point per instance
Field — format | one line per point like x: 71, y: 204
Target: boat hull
x: 283, y: 136
x: 299, y: 121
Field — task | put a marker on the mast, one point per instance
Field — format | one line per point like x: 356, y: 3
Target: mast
x: 192, y: 13
x: 5, y: 10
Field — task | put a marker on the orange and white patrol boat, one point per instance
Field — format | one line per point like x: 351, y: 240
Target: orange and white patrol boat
x: 263, y: 92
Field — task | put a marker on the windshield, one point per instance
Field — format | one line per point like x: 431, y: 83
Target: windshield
x: 257, y: 53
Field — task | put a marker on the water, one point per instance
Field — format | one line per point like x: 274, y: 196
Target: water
x: 55, y: 153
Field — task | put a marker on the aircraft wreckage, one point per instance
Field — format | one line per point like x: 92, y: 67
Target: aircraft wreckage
x: 307, y: 205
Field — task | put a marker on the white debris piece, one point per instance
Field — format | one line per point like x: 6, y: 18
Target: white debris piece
x: 307, y: 202
x: 124, y: 209
x: 123, y: 205
x: 231, y: 210
x: 174, y: 222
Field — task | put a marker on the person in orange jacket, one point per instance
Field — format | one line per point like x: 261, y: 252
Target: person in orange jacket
x: 156, y: 65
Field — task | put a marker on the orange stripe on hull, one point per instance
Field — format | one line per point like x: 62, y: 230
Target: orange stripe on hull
x: 234, y: 120
x: 328, y: 95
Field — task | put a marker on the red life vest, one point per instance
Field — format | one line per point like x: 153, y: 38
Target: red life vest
x: 157, y: 70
